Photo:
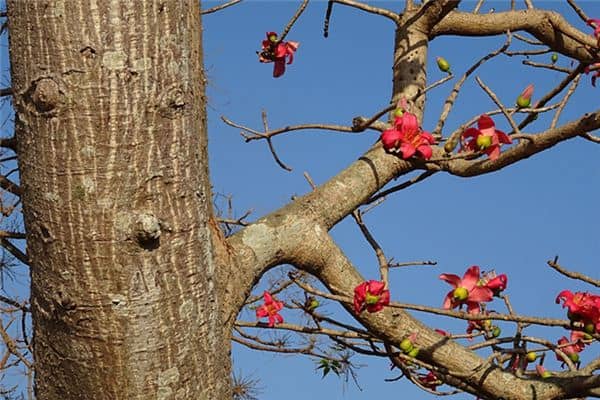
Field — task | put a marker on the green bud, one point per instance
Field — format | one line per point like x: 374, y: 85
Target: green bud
x: 589, y: 328
x: 398, y: 112
x: 522, y: 102
x: 273, y: 38
x: 406, y: 345
x: 443, y: 65
x: 314, y: 303
x: 496, y: 331
x: 574, y: 357
x: 531, y: 356
x: 414, y: 352
x: 554, y: 58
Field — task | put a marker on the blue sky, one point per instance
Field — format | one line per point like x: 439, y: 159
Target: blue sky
x: 512, y: 220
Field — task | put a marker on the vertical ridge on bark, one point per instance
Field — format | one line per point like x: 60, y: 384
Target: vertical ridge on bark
x: 112, y: 144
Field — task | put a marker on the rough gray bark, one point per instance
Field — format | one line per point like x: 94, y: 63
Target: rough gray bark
x: 112, y: 150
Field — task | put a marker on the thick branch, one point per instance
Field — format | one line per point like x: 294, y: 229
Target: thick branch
x: 547, y: 26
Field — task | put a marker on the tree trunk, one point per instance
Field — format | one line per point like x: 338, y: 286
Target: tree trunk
x: 126, y: 298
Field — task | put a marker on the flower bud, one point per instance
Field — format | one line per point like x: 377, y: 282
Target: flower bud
x: 406, y: 345
x: 554, y: 58
x: 574, y: 357
x: 531, y: 356
x: 273, y: 38
x: 414, y: 352
x: 398, y: 112
x: 443, y: 65
x: 496, y: 331
x: 524, y: 99
x: 589, y: 328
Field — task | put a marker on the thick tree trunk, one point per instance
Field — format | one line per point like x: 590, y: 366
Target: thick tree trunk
x: 112, y: 150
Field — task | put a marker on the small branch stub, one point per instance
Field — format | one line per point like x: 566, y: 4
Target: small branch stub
x: 146, y: 229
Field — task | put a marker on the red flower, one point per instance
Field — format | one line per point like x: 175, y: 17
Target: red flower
x: 371, y: 295
x: 407, y: 138
x: 430, y: 381
x: 466, y: 290
x: 582, y: 306
x: 571, y: 349
x: 486, y: 138
x: 496, y: 283
x: 270, y: 309
x: 277, y: 51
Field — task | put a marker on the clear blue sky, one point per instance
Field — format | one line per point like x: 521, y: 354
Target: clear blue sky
x: 512, y: 220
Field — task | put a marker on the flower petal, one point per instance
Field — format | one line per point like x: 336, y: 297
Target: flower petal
x: 470, y: 278
x: 407, y: 150
x: 425, y: 151
x: 452, y: 279
x: 279, y: 67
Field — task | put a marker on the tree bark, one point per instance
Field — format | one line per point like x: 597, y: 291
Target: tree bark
x: 126, y: 294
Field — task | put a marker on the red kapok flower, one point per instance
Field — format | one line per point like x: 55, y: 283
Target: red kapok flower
x: 371, y: 295
x: 466, y: 290
x: 486, y: 138
x: 407, y: 138
x: 496, y: 283
x: 583, y: 306
x: 278, y: 52
x: 571, y: 350
x: 270, y: 309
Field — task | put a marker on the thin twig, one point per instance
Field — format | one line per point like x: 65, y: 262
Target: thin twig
x: 295, y: 17
x: 370, y: 9
x: 381, y: 260
x: 327, y: 18
x: 578, y: 10
x: 495, y: 99
x: 219, y: 7
x: 564, y: 102
x: 573, y: 275
x: 401, y: 186
x: 553, y: 67
x: 449, y: 103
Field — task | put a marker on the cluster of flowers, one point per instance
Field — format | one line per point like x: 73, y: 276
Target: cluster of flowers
x: 278, y: 52
x: 584, y: 312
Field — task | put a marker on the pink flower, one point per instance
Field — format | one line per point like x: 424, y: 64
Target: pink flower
x: 466, y: 290
x: 524, y: 99
x: 486, y: 138
x: 278, y: 52
x: 371, y: 295
x: 496, y: 283
x: 582, y: 306
x: 270, y: 309
x: 407, y: 138
x: 571, y: 350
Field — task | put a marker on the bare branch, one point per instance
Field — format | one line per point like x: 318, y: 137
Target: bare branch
x: 548, y: 27
x: 370, y: 9
x: 496, y: 100
x: 295, y: 17
x: 573, y: 275
x: 219, y: 7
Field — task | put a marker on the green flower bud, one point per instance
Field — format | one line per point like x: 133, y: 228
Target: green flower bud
x: 589, y: 328
x: 443, y: 65
x: 398, y: 112
x: 554, y: 58
x: 406, y: 345
x: 531, y: 356
x: 496, y: 331
x: 574, y: 357
x: 414, y: 352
